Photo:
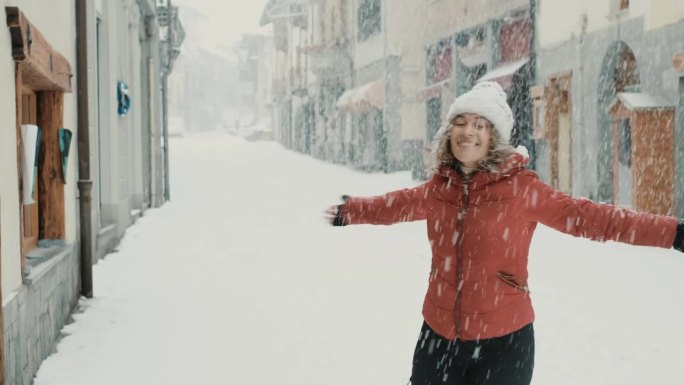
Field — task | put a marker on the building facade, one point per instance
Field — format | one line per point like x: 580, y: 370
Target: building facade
x: 598, y: 63
x: 254, y: 68
x: 468, y: 42
x: 382, y: 79
x: 292, y: 109
x: 581, y: 78
x: 81, y: 161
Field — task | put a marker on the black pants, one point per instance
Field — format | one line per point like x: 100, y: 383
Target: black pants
x: 506, y: 360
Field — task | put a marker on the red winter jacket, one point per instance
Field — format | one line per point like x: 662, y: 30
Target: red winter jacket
x: 480, y: 231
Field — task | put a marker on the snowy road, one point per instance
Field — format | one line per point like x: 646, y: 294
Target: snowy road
x: 238, y: 280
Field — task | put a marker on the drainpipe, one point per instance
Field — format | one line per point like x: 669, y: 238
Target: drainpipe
x: 165, y: 133
x: 384, y: 141
x: 85, y: 184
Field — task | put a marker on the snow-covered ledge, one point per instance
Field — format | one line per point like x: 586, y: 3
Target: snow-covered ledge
x: 46, y: 258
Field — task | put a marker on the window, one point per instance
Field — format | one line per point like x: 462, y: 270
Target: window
x: 515, y: 40
x: 471, y: 38
x: 618, y: 7
x: 434, y: 116
x: 301, y: 16
x: 333, y: 25
x: 280, y: 35
x: 343, y: 18
x: 40, y: 87
x: 321, y: 23
x: 439, y: 62
x: 369, y: 19
x: 538, y: 111
x: 475, y: 72
x: 538, y: 116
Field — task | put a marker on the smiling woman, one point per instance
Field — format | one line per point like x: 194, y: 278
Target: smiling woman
x: 482, y: 206
x: 470, y: 138
x: 465, y: 141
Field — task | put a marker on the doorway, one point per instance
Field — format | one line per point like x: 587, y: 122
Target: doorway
x: 624, y: 164
x: 619, y: 73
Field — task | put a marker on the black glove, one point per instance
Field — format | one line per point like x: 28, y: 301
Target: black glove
x: 339, y: 220
x: 678, y: 243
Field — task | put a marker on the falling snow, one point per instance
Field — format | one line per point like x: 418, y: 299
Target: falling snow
x: 239, y: 280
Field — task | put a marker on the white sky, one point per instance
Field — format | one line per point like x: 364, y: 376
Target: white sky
x: 238, y: 280
x: 228, y: 19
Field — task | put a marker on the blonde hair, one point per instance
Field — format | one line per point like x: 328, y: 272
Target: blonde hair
x: 440, y: 151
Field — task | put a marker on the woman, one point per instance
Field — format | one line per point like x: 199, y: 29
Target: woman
x: 482, y: 206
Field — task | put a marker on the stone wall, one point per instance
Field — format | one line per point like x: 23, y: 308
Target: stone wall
x: 35, y: 314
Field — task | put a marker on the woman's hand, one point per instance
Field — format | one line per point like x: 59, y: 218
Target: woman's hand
x: 678, y: 243
x: 333, y: 215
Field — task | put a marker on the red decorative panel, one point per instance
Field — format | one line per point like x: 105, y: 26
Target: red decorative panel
x: 515, y: 40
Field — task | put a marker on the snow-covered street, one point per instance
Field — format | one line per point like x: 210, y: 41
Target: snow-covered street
x: 239, y: 280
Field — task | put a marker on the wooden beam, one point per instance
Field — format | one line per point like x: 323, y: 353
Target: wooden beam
x: 50, y: 186
x: 20, y: 162
x: 44, y: 68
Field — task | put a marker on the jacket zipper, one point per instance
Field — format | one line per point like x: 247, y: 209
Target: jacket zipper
x: 459, y: 259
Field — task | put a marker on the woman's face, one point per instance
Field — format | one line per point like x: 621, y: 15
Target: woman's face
x: 470, y: 137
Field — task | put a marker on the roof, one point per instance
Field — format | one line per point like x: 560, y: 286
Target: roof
x: 640, y: 101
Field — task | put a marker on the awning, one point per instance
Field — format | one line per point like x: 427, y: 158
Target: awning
x: 640, y: 101
x: 504, y: 73
x: 432, y: 91
x: 363, y: 97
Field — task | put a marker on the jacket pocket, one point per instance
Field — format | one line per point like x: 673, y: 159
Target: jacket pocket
x: 513, y: 281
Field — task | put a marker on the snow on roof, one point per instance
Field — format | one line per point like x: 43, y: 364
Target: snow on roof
x: 640, y: 101
x: 504, y: 70
x: 372, y: 93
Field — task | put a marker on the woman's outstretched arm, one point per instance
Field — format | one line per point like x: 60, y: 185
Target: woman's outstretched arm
x: 601, y: 222
x: 404, y: 205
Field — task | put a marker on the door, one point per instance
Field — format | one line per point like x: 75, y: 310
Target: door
x: 559, y: 121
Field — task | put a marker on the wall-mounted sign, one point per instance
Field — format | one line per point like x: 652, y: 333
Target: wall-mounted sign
x: 64, y: 144
x: 124, y: 101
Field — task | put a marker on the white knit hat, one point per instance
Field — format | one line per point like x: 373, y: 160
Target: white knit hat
x: 488, y: 100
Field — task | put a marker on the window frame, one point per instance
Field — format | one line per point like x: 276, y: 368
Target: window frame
x: 368, y: 10
x: 48, y: 77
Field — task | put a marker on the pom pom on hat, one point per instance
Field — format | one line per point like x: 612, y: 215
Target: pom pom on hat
x: 488, y: 100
